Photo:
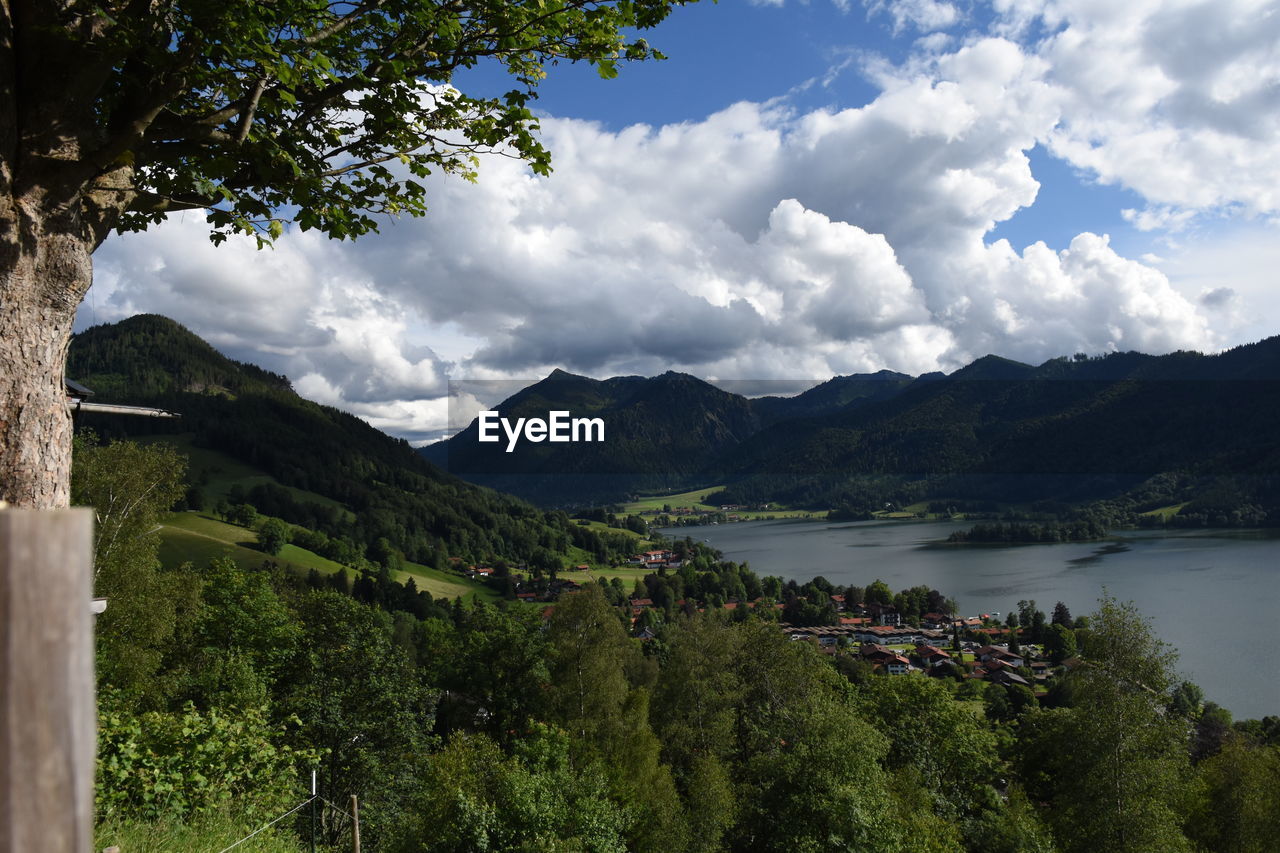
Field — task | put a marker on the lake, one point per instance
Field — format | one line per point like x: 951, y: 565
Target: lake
x: 1212, y: 594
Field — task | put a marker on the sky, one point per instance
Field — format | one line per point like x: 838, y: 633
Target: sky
x: 801, y: 190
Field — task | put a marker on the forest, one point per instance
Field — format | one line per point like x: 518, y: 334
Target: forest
x: 505, y: 727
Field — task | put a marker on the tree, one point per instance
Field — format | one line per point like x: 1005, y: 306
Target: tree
x: 132, y: 487
x: 1239, y: 804
x: 949, y: 748
x: 1062, y: 615
x: 476, y: 798
x: 245, y: 515
x: 273, y: 536
x: 1059, y: 643
x: 114, y: 114
x: 1114, y: 767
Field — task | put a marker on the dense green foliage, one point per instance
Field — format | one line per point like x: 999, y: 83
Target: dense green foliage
x: 1028, y: 533
x: 482, y: 727
x: 486, y: 728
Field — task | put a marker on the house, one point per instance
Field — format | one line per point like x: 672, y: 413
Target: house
x: 1001, y: 653
x: 887, y: 659
x: 1006, y: 677
x: 884, y: 614
x: 888, y: 634
x: 897, y: 665
x: 931, y: 656
x: 935, y: 621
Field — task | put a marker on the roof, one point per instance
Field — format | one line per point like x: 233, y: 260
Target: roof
x: 75, y: 389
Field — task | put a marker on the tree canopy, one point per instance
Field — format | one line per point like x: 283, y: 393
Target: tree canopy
x: 263, y: 112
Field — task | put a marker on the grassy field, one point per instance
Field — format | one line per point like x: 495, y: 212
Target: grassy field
x: 694, y: 499
x: 443, y: 584
x: 600, y: 527
x: 200, y: 836
x: 197, y: 538
x: 1167, y: 512
x: 628, y: 574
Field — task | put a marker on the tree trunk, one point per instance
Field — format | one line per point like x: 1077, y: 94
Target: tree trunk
x: 45, y: 270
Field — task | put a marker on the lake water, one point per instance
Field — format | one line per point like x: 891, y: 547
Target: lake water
x: 1212, y: 594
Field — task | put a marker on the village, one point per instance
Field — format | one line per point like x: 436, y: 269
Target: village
x: 940, y: 645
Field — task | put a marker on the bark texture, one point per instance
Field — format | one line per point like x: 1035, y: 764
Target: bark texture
x: 39, y: 290
x: 55, y: 208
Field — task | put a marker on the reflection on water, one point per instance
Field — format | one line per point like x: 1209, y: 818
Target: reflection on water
x: 1096, y: 556
x: 1209, y: 593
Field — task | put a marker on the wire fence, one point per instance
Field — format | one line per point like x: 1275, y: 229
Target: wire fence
x: 265, y: 827
x: 294, y: 810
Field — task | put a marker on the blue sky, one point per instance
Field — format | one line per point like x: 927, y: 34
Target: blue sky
x: 800, y: 190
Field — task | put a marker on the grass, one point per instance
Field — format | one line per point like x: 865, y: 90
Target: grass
x: 200, y: 836
x: 600, y: 527
x: 197, y: 538
x: 442, y: 584
x: 693, y: 498
x: 629, y: 574
x: 1166, y: 512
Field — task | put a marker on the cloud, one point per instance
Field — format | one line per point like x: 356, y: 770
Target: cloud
x: 301, y: 309
x: 761, y: 242
x: 926, y: 16
x: 1175, y: 100
x: 1218, y: 297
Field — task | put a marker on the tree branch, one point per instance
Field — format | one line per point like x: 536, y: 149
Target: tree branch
x: 135, y: 128
x: 154, y: 203
x: 342, y: 23
x: 246, y: 115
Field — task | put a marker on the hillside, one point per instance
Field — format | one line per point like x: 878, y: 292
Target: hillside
x: 661, y: 432
x: 1068, y: 430
x: 252, y: 439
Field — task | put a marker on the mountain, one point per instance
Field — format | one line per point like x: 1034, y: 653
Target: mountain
x: 1067, y: 429
x: 660, y: 431
x: 835, y: 393
x: 309, y: 464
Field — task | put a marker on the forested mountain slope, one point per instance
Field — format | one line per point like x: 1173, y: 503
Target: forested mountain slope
x: 376, y: 486
x: 1071, y: 429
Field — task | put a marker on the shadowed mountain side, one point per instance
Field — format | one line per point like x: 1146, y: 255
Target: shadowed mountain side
x: 1069, y: 428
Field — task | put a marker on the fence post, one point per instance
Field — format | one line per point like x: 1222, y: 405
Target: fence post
x: 47, y: 713
x: 355, y: 824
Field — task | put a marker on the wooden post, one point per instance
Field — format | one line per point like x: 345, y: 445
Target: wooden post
x: 47, y: 714
x: 355, y: 825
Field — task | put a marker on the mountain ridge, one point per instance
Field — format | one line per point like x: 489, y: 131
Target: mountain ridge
x: 1110, y: 419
